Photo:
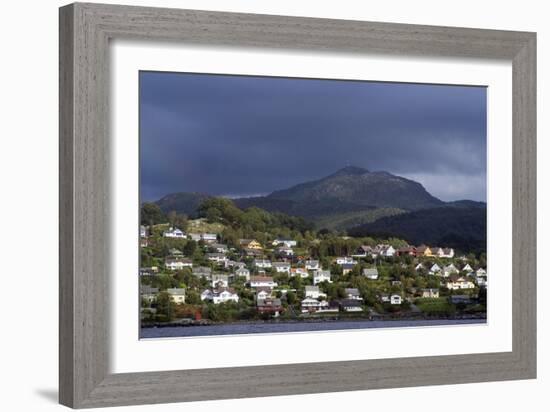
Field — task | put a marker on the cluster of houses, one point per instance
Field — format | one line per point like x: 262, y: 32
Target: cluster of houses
x: 257, y: 274
x: 389, y: 251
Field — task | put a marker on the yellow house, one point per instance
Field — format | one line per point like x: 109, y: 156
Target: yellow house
x: 424, y: 250
x: 250, y: 244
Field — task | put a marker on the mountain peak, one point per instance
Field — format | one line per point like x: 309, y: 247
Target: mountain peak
x: 351, y: 171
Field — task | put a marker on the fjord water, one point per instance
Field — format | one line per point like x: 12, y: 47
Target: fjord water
x: 284, y: 327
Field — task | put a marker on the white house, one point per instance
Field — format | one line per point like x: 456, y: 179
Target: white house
x: 262, y: 282
x: 302, y: 272
x: 353, y: 293
x: 143, y: 232
x: 312, y: 265
x: 438, y: 252
x: 396, y: 299
x: 243, y: 272
x: 177, y: 294
x: 313, y: 305
x: 370, y: 273
x: 195, y: 236
x: 321, y: 276
x: 174, y: 232
x: 224, y: 295
x: 263, y: 293
x: 285, y: 251
x: 386, y: 250
x: 430, y: 293
x: 448, y: 252
x: 286, y: 242
x: 449, y: 270
x: 262, y: 263
x: 209, y: 237
x: 177, y: 263
x: 435, y: 269
x: 467, y: 268
x: 220, y: 280
x: 460, y: 283
x: 345, y: 260
x: 418, y: 267
x: 219, y: 258
x: 313, y: 292
x: 481, y: 272
x: 281, y: 267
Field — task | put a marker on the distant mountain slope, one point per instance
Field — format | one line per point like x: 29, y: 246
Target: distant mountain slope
x: 464, y: 228
x: 350, y: 189
x: 183, y: 202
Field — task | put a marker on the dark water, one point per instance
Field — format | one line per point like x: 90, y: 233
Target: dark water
x: 283, y: 327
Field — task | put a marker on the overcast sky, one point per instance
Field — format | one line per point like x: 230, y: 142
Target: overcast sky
x: 243, y: 135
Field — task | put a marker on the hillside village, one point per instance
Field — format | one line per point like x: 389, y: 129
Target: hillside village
x: 201, y: 272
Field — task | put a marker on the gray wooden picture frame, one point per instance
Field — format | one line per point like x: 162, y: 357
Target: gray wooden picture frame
x: 85, y: 31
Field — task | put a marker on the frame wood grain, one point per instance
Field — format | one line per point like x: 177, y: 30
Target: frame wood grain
x: 85, y: 31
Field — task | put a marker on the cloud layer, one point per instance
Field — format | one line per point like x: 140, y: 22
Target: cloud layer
x: 243, y: 135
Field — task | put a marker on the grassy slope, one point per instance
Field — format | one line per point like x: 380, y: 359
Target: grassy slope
x: 342, y: 221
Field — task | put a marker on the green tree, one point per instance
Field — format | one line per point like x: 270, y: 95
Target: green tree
x: 165, y: 307
x: 151, y: 214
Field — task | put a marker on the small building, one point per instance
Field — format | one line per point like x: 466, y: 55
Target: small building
x: 347, y: 268
x: 285, y: 242
x: 220, y: 280
x: 435, y: 269
x: 460, y: 283
x: 321, y: 276
x: 353, y: 293
x: 223, y: 295
x: 430, y: 293
x: 243, y: 272
x: 351, y: 305
x: 423, y: 251
x: 419, y: 267
x: 209, y: 237
x: 250, y: 244
x: 177, y: 295
x: 481, y: 272
x: 302, y: 272
x: 396, y: 299
x: 177, y: 263
x: 148, y: 293
x: 312, y: 265
x: 343, y: 260
x: 202, y: 272
x: 218, y: 258
x: 143, y: 231
x: 175, y: 252
x: 263, y: 293
x: 312, y: 305
x: 262, y: 263
x: 269, y: 305
x: 370, y: 273
x: 363, y: 251
x: 448, y: 252
x: 313, y: 292
x: 438, y: 252
x: 406, y: 251
x: 262, y: 281
x: 149, y: 271
x: 174, y: 232
x: 386, y: 250
x: 281, y: 267
x: 467, y: 268
x: 284, y: 251
x: 219, y: 248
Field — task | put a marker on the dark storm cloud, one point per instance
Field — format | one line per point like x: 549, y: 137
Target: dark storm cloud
x: 237, y: 135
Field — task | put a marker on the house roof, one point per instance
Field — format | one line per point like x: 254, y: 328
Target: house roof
x: 312, y: 288
x: 176, y: 291
x: 261, y: 279
x: 281, y: 264
x: 370, y: 271
x: 352, y: 291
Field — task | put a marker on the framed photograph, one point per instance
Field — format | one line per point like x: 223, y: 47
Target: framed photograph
x: 255, y: 205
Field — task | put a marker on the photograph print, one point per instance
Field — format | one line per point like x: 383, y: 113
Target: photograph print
x: 279, y: 205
